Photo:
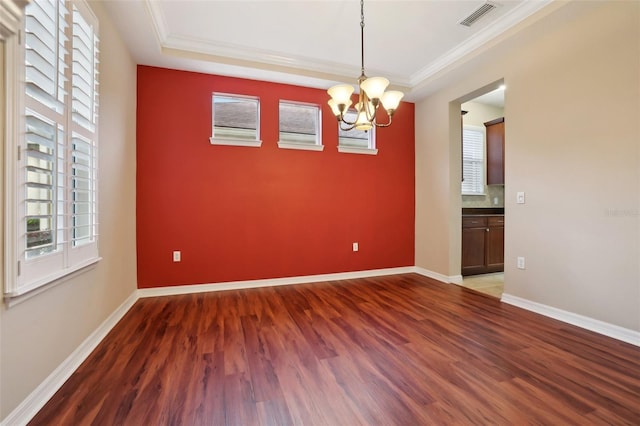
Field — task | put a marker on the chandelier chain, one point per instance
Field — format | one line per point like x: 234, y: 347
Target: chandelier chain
x: 362, y: 36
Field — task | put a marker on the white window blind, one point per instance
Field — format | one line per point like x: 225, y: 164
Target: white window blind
x: 54, y: 201
x: 473, y: 160
x: 299, y: 123
x: 355, y: 138
x: 235, y: 120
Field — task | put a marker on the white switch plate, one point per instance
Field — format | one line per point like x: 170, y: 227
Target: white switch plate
x: 520, y: 197
x: 176, y: 256
x: 355, y: 246
x: 520, y: 263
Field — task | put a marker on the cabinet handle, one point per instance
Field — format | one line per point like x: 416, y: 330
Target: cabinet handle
x: 487, y: 229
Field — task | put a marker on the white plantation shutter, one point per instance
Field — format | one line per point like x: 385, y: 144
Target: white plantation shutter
x: 46, y: 24
x: 83, y: 139
x: 473, y: 160
x: 83, y: 190
x: 85, y: 72
x: 42, y: 185
x: 56, y: 198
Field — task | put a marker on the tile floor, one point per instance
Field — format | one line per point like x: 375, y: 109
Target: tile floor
x: 491, y: 284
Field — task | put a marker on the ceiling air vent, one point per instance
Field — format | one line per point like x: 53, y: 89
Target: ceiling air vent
x: 478, y: 13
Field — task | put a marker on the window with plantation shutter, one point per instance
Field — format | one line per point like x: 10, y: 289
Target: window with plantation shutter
x: 473, y: 160
x: 52, y: 221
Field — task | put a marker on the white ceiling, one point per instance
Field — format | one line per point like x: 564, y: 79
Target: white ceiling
x: 311, y: 43
x: 494, y: 98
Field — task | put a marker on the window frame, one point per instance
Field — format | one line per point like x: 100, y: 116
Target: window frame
x: 481, y: 186
x: 228, y: 141
x: 371, y: 141
x: 24, y: 274
x: 286, y: 144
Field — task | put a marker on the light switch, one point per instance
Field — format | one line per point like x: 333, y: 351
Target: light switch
x: 520, y: 197
x: 176, y: 256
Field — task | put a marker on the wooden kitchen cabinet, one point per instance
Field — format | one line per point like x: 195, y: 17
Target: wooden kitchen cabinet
x: 482, y: 244
x: 495, y: 244
x: 495, y: 151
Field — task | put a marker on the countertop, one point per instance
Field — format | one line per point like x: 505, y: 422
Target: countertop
x: 482, y: 211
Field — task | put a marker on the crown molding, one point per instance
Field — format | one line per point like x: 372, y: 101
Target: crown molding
x: 487, y: 34
x: 157, y: 20
x: 178, y: 45
x: 194, y: 48
x: 230, y: 53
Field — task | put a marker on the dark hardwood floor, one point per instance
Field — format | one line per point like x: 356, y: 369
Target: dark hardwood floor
x: 399, y: 350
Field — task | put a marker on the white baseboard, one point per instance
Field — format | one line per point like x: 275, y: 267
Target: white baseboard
x: 272, y: 282
x: 601, y: 327
x: 30, y: 406
x: 453, y: 279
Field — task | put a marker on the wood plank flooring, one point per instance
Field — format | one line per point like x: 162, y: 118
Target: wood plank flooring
x: 398, y: 350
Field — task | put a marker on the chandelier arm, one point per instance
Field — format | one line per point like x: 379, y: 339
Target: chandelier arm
x: 382, y: 124
x: 349, y: 123
x: 371, y: 115
x: 350, y: 126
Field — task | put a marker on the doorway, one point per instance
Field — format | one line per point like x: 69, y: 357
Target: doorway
x: 482, y: 192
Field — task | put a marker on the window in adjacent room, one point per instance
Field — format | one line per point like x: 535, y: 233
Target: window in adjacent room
x: 236, y: 120
x: 299, y: 125
x: 356, y: 141
x: 51, y: 205
x: 473, y: 160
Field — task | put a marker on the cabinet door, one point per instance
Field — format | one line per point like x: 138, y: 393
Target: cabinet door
x: 495, y: 151
x: 495, y: 249
x: 473, y: 250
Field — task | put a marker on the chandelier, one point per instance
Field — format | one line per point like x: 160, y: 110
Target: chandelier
x: 371, y: 95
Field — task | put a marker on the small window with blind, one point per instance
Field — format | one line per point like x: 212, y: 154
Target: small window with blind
x: 473, y: 160
x: 51, y: 207
x: 356, y: 141
x: 236, y: 120
x: 299, y: 125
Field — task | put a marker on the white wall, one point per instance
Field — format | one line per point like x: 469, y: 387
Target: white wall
x: 478, y: 114
x: 571, y: 122
x: 38, y: 334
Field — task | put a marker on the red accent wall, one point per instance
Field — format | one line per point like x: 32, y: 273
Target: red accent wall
x: 242, y: 213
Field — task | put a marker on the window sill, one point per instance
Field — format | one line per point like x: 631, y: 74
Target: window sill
x: 302, y: 146
x: 474, y: 195
x: 13, y: 299
x: 235, y: 142
x: 357, y: 150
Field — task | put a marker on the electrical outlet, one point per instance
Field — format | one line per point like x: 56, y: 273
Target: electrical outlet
x: 355, y: 246
x: 520, y: 263
x: 176, y: 256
